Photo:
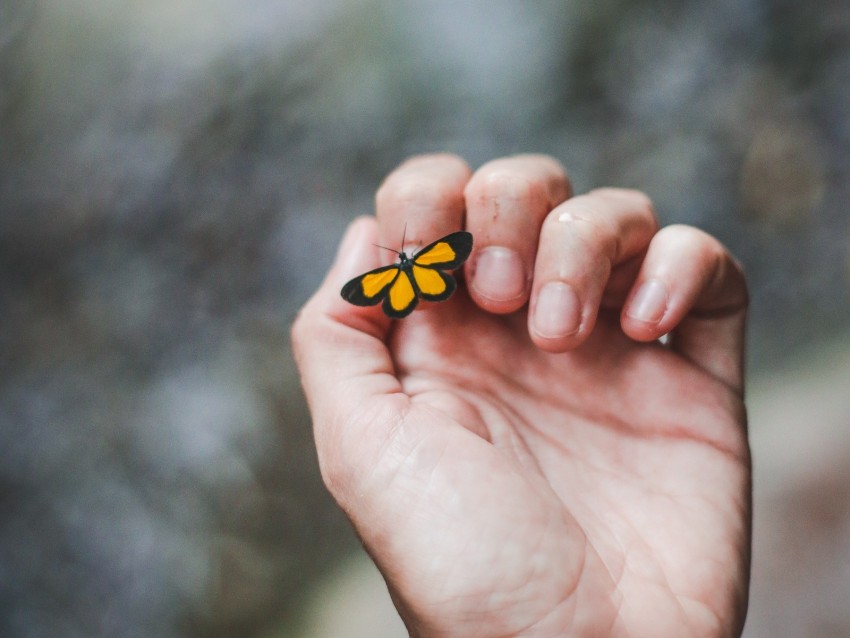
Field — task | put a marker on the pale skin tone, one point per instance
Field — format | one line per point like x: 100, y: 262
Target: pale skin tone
x: 526, y: 459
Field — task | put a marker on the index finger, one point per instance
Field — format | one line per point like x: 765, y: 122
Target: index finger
x: 421, y: 200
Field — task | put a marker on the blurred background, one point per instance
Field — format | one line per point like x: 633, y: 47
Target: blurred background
x: 174, y: 178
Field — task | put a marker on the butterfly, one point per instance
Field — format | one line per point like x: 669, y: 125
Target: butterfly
x: 402, y: 284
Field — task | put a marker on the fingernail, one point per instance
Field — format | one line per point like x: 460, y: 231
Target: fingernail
x: 649, y: 303
x: 557, y: 313
x: 499, y: 274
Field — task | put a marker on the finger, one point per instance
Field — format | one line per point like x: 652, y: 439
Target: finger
x: 421, y: 200
x: 506, y: 203
x: 342, y: 357
x: 581, y: 242
x: 690, y: 286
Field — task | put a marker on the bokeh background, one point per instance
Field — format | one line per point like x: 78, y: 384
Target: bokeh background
x: 174, y: 177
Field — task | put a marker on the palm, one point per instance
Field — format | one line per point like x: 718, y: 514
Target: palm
x: 504, y: 491
x: 603, y: 488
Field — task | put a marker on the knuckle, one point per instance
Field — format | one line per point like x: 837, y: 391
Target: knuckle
x: 723, y: 270
x: 695, y: 240
x: 529, y: 183
x: 503, y: 184
x: 588, y: 224
x: 413, y: 190
x: 644, y: 206
x: 636, y: 200
x: 510, y: 184
x: 424, y: 180
x: 445, y: 161
x: 631, y: 195
x: 402, y: 188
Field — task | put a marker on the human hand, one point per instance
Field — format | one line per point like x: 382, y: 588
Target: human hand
x: 545, y: 472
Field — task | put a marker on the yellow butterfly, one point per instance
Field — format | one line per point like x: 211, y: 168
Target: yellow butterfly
x: 401, y: 285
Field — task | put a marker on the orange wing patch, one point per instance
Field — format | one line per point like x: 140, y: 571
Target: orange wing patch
x: 428, y: 281
x: 402, y: 294
x: 374, y: 283
x: 440, y: 252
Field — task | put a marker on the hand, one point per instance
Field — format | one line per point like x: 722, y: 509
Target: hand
x: 546, y: 472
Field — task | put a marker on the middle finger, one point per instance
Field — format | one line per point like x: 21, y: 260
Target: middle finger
x: 506, y: 202
x: 582, y: 241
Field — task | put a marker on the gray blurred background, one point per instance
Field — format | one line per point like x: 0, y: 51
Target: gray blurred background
x: 174, y: 178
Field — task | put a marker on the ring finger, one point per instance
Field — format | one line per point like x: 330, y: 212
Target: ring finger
x: 581, y: 242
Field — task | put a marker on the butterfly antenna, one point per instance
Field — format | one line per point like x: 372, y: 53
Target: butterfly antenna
x: 392, y: 250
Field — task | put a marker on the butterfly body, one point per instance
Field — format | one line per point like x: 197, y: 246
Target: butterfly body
x: 398, y: 287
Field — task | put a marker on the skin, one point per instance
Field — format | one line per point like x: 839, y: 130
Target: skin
x: 518, y: 465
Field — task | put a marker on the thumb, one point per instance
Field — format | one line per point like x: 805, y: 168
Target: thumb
x: 345, y: 366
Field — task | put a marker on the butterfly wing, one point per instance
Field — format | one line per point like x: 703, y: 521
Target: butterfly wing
x: 402, y: 296
x: 447, y: 253
x: 372, y: 287
x: 433, y: 284
x: 391, y: 284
